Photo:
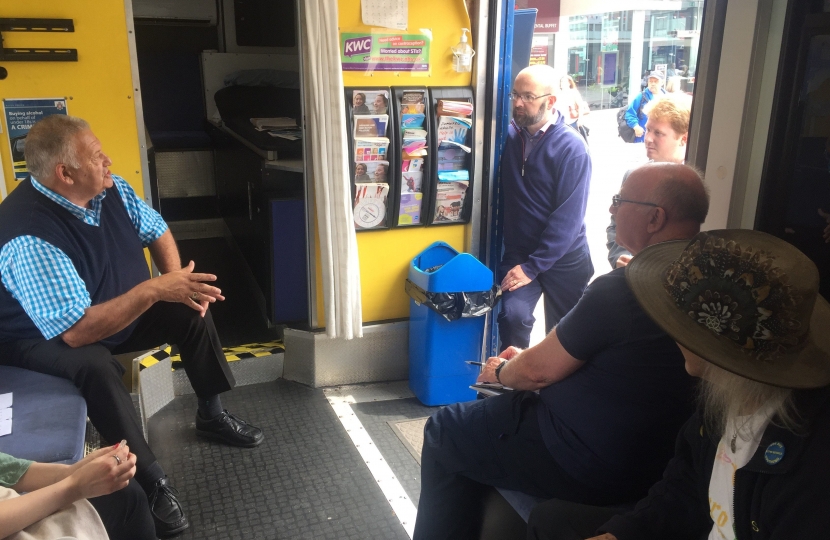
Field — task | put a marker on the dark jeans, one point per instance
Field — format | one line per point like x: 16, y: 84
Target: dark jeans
x: 563, y: 520
x: 126, y: 514
x: 562, y: 286
x: 469, y: 446
x: 98, y: 375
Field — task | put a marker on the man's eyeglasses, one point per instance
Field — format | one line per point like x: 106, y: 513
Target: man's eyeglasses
x: 616, y: 201
x: 526, y: 98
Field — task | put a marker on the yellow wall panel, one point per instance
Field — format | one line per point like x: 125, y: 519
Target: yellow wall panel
x: 385, y: 255
x: 444, y: 18
x: 98, y: 87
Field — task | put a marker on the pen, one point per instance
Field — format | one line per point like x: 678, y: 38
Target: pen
x: 474, y: 363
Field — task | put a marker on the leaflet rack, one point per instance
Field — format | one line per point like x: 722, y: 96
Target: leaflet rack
x: 38, y: 54
x: 448, y: 202
x: 374, y: 195
x: 414, y: 183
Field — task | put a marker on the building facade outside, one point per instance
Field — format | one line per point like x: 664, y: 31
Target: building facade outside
x: 609, y: 46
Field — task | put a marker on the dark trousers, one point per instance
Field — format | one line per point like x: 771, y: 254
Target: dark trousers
x: 562, y: 286
x: 126, y: 514
x: 98, y: 375
x: 564, y: 520
x: 489, y: 442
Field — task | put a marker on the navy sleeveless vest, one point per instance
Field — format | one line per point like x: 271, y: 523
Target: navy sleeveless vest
x: 108, y: 258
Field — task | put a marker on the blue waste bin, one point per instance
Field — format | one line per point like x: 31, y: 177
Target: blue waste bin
x: 439, y: 348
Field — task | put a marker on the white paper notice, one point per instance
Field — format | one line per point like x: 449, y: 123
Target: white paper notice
x: 385, y: 13
x: 5, y: 414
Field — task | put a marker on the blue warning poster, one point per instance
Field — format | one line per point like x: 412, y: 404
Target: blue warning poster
x: 21, y: 115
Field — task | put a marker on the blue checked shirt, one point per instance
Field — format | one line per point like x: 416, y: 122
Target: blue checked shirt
x: 43, y: 279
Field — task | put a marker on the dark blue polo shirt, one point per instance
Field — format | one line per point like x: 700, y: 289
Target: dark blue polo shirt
x: 612, y: 423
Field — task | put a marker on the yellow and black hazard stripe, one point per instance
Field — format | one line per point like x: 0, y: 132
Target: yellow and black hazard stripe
x: 232, y: 354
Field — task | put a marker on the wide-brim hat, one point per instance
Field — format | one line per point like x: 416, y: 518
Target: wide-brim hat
x: 743, y: 300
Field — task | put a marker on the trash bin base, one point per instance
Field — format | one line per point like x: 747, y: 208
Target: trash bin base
x: 433, y: 391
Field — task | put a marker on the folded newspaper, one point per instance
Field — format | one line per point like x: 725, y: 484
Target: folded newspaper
x: 264, y: 124
x: 490, y: 389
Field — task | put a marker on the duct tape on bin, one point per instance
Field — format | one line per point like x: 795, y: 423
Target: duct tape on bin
x: 455, y: 305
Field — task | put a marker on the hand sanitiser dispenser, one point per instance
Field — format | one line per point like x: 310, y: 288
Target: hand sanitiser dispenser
x: 462, y: 59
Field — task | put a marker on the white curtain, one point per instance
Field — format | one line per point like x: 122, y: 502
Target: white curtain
x: 326, y: 138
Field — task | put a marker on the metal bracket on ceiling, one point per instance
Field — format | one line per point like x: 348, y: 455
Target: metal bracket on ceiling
x: 37, y: 54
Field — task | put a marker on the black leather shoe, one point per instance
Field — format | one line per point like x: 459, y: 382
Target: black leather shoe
x: 167, y: 512
x: 229, y: 429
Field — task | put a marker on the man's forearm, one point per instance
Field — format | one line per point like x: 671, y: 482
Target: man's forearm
x: 539, y: 366
x: 515, y: 374
x: 165, y: 253
x: 104, y: 320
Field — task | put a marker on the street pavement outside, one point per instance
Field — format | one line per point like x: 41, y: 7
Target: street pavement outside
x: 610, y: 157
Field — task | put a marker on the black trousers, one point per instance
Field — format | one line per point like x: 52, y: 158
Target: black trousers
x: 564, y: 520
x: 489, y: 442
x: 98, y: 375
x: 126, y: 514
x: 562, y: 286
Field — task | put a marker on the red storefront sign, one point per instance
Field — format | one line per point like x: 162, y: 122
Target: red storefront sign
x: 547, y: 18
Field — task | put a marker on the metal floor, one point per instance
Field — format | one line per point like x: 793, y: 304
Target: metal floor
x: 306, y: 480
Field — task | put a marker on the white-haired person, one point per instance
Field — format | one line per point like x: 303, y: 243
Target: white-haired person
x: 752, y: 463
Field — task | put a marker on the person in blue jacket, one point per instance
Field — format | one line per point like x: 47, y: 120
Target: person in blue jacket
x: 634, y: 116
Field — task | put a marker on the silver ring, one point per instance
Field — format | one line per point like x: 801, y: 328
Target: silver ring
x: 117, y: 459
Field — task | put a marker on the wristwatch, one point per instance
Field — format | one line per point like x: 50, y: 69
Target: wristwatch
x: 499, y: 368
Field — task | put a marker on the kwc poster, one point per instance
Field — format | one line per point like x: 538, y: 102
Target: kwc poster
x: 375, y: 51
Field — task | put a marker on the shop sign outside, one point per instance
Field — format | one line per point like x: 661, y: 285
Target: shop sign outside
x: 539, y: 51
x: 547, y: 16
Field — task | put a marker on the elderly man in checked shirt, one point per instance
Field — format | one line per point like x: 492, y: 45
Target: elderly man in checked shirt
x: 76, y: 289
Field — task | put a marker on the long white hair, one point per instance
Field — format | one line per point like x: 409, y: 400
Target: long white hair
x: 726, y: 396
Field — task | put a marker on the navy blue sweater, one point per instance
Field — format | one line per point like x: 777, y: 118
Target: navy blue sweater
x: 544, y: 209
x: 109, y: 258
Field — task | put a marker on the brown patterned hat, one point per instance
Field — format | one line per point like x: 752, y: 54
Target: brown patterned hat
x: 743, y: 300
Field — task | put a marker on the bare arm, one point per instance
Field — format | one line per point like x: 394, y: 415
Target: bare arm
x: 107, y: 318
x: 532, y: 369
x: 53, y: 487
x: 165, y: 253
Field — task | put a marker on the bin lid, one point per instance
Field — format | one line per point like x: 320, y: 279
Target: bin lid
x: 458, y: 272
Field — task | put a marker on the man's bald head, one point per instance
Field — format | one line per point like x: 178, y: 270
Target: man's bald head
x: 680, y: 190
x: 544, y: 76
x: 671, y: 204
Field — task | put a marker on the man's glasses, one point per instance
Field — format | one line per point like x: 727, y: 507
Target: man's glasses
x: 526, y: 98
x: 616, y: 201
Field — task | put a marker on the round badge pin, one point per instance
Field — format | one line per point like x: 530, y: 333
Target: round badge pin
x: 774, y: 453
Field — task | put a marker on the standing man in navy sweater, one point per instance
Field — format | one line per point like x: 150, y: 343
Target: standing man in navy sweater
x: 546, y: 173
x: 76, y: 289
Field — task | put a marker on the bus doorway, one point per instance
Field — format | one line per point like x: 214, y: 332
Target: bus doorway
x: 232, y: 193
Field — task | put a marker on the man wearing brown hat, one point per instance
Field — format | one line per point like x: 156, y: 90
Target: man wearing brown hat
x: 612, y: 391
